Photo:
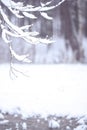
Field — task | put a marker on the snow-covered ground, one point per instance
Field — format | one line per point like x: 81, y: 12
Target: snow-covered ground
x: 49, y: 89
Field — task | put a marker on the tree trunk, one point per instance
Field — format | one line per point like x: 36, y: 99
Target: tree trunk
x: 68, y: 28
x: 80, y: 28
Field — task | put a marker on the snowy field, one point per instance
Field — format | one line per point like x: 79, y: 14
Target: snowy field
x: 49, y: 90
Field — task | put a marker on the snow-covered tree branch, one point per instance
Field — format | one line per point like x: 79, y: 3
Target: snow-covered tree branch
x: 21, y: 11
x: 10, y: 30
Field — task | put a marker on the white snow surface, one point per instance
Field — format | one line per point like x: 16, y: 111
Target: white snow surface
x: 49, y: 90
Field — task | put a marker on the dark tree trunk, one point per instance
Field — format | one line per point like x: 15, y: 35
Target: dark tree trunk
x: 68, y: 30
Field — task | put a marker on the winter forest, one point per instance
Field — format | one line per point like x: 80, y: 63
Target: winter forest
x: 65, y: 25
x: 43, y: 70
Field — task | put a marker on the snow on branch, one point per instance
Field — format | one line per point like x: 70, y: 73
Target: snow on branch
x: 16, y: 31
x: 23, y: 58
x: 22, y: 11
x: 17, y: 7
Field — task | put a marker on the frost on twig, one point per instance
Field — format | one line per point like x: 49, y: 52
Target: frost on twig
x: 21, y: 11
x: 22, y: 58
x: 15, y: 72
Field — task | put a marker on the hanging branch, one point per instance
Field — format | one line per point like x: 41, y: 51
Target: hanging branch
x: 21, y: 11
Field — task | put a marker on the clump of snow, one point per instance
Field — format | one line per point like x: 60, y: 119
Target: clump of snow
x: 45, y: 15
x: 53, y: 124
x: 4, y: 122
x: 67, y: 128
x: 81, y: 121
x: 9, y: 129
x: 24, y: 126
x: 81, y: 127
x: 1, y: 116
x: 17, y: 126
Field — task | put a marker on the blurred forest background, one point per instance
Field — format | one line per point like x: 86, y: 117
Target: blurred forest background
x: 68, y: 29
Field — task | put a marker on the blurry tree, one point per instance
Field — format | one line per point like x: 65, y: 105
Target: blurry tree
x: 81, y: 19
x: 72, y: 25
x: 85, y: 18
